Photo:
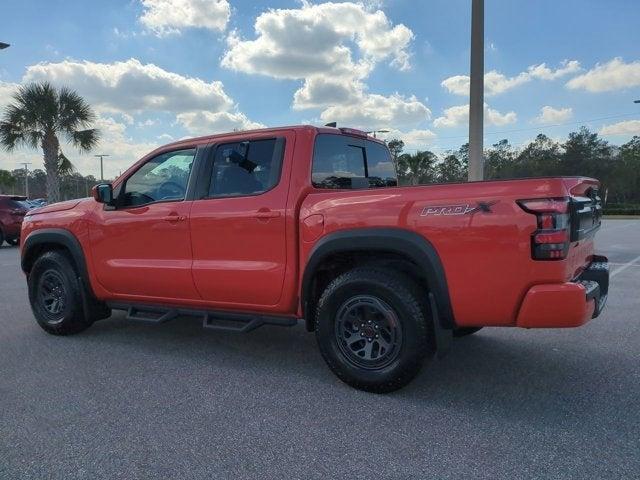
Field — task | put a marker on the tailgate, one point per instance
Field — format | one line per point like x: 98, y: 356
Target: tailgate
x: 585, y: 209
x: 585, y: 219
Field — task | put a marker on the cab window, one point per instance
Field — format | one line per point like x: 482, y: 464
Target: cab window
x: 163, y: 178
x: 344, y: 162
x: 248, y: 167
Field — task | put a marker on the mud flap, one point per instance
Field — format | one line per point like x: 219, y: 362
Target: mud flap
x: 444, y: 336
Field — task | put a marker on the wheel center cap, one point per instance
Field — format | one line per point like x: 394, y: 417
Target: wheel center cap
x: 368, y: 331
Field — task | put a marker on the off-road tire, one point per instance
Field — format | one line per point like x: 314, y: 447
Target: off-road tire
x: 55, y: 268
x: 403, y: 296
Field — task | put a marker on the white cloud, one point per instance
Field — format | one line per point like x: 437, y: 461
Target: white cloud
x: 628, y: 127
x: 6, y: 93
x: 315, y: 39
x: 165, y: 17
x: 496, y: 82
x: 320, y: 92
x: 131, y: 86
x: 549, y: 114
x: 207, y: 123
x: 608, y: 77
x: 459, y: 115
x: 494, y: 117
x: 543, y: 72
x: 377, y: 111
x: 414, y: 139
x: 333, y: 47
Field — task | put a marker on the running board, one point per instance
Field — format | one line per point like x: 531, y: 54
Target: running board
x: 215, y: 320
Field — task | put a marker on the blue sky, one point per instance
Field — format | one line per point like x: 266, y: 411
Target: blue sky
x: 158, y: 70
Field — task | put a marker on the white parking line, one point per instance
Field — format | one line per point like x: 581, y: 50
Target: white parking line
x: 624, y: 267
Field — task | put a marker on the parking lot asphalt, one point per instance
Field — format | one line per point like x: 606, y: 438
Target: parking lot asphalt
x: 127, y: 400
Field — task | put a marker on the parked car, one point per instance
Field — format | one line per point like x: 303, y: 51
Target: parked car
x: 272, y: 226
x: 12, y: 211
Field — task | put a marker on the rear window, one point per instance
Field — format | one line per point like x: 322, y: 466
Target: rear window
x: 344, y: 162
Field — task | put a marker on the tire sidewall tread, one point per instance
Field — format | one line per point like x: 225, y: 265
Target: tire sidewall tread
x: 74, y: 320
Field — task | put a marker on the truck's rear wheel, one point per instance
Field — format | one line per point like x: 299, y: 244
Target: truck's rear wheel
x: 373, y: 330
x: 55, y: 295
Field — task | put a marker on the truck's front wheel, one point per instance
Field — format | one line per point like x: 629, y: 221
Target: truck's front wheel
x: 55, y: 295
x: 373, y: 330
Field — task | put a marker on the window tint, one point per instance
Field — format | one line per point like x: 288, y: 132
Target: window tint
x: 380, y: 167
x: 163, y: 178
x: 341, y: 161
x: 246, y: 168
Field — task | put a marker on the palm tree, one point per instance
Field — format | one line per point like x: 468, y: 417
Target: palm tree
x: 417, y: 168
x: 39, y: 114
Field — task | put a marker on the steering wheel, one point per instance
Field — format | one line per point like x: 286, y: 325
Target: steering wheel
x: 170, y: 190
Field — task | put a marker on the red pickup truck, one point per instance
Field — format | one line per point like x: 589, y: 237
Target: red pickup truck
x: 272, y: 226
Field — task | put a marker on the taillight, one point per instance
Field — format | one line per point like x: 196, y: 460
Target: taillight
x: 552, y: 238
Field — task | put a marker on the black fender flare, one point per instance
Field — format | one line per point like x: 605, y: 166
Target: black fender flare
x: 55, y: 236
x: 399, y: 241
x: 64, y: 238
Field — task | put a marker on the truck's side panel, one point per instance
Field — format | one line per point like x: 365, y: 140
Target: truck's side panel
x: 481, y: 235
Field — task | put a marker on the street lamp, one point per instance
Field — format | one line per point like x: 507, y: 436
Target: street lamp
x: 636, y: 101
x: 376, y: 131
x: 476, y: 92
x: 26, y: 178
x: 101, y: 167
x: 4, y: 45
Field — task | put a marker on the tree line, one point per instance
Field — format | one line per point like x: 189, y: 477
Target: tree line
x: 583, y: 153
x: 71, y: 184
x: 41, y: 115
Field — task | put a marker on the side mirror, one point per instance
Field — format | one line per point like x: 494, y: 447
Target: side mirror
x: 103, y: 193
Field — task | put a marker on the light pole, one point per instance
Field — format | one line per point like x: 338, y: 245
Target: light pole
x: 26, y: 178
x: 101, y: 166
x: 4, y: 45
x: 476, y: 92
x: 636, y: 101
x: 376, y: 131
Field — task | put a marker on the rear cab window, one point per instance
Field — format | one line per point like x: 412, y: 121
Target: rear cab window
x: 345, y: 162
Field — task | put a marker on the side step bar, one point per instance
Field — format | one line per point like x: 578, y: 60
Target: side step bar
x: 215, y: 320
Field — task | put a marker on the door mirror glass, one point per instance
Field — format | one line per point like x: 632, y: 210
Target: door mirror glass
x: 103, y: 193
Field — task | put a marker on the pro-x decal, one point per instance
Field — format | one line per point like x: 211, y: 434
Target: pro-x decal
x: 465, y: 209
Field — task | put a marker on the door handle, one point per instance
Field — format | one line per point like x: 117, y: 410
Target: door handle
x: 265, y: 214
x: 174, y: 218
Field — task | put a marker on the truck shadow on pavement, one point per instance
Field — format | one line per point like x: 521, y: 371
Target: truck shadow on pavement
x: 489, y: 373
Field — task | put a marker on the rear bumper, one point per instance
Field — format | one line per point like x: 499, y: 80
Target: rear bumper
x: 568, y: 304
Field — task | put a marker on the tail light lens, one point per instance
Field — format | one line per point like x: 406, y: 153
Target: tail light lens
x: 552, y: 238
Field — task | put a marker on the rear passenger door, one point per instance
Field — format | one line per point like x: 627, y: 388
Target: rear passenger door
x: 238, y: 223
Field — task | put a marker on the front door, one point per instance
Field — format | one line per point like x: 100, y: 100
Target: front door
x: 142, y: 246
x: 238, y: 226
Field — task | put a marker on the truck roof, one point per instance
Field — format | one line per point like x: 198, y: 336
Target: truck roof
x: 333, y: 130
